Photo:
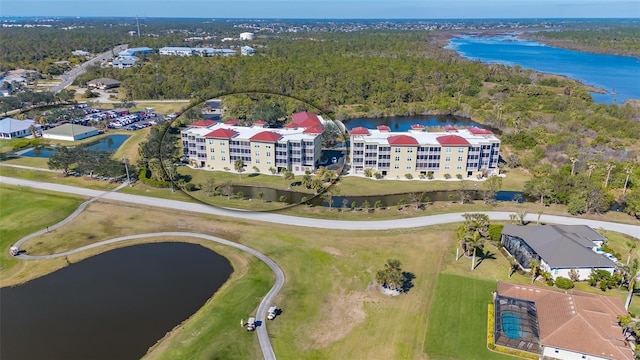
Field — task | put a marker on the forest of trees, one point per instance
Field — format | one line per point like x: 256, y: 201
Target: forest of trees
x: 545, y: 121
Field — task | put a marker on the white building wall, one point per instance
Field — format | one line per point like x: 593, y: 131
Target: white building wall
x: 583, y: 274
x: 557, y: 353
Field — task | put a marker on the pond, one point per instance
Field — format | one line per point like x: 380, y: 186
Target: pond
x: 111, y: 306
x: 296, y: 197
x: 403, y: 123
x: 110, y: 143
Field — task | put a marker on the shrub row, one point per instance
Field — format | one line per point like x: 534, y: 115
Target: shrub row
x: 144, y: 177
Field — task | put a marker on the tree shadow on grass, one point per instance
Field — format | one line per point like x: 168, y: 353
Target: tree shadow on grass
x: 407, y: 284
x: 482, y: 255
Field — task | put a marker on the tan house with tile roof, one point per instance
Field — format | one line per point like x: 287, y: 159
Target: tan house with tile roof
x: 571, y: 325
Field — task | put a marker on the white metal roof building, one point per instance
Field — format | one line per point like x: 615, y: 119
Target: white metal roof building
x: 11, y: 128
x: 70, y: 132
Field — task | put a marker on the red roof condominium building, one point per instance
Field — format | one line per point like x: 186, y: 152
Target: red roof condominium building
x: 218, y: 146
x: 466, y: 152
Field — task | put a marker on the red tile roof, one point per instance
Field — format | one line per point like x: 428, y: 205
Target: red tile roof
x: 417, y: 126
x: 222, y: 134
x: 450, y: 128
x: 359, y: 131
x: 452, y: 140
x: 291, y: 126
x: 305, y: 119
x: 259, y: 122
x: 562, y: 315
x: 478, y: 131
x: 232, y: 122
x: 266, y: 136
x: 203, y: 123
x: 402, y: 140
x: 314, y: 130
x: 383, y: 128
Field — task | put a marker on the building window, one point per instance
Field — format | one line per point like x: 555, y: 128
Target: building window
x: 213, y: 157
x: 460, y: 149
x: 448, y: 150
x: 257, y: 161
x: 257, y: 153
x: 224, y: 158
x: 222, y: 151
x: 446, y: 167
x: 397, y: 158
x: 410, y: 150
x: 448, y: 158
x: 222, y: 142
x: 211, y: 141
x: 212, y: 150
x: 268, y: 153
x: 409, y: 167
x: 268, y: 162
x: 459, y: 167
x: 397, y: 149
x: 409, y: 158
x: 396, y: 166
x: 257, y: 146
x: 459, y: 158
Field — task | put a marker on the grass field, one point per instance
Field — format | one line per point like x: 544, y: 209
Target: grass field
x: 458, y: 319
x: 331, y: 310
x: 54, y: 177
x: 24, y: 211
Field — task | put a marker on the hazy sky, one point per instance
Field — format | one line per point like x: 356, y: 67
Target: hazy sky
x: 411, y: 9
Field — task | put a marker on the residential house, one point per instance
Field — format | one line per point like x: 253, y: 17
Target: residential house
x: 465, y: 152
x: 556, y: 324
x: 560, y: 249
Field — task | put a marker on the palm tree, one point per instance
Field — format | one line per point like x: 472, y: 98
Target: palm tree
x: 239, y: 166
x: 591, y: 165
x: 573, y: 160
x: 513, y: 266
x: 474, y: 241
x: 534, y: 265
x: 627, y: 170
x: 307, y: 181
x: 610, y: 166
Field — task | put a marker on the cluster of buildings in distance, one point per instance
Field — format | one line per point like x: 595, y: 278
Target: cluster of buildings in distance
x: 297, y: 147
x: 129, y: 58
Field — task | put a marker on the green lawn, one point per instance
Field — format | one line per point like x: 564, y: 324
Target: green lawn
x: 24, y: 211
x: 58, y: 178
x: 458, y: 319
x: 214, y: 332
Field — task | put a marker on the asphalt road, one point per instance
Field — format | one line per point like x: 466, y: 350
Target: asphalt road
x: 272, y: 217
x: 69, y: 77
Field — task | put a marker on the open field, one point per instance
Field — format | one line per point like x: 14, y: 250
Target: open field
x: 54, y: 177
x: 24, y: 211
x: 331, y: 309
x: 458, y: 319
x: 163, y: 108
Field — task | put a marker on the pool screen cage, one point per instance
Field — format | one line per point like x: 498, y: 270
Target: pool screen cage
x: 516, y: 324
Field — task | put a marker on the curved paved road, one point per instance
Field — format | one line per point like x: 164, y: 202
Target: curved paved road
x: 261, y: 314
x: 271, y: 217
